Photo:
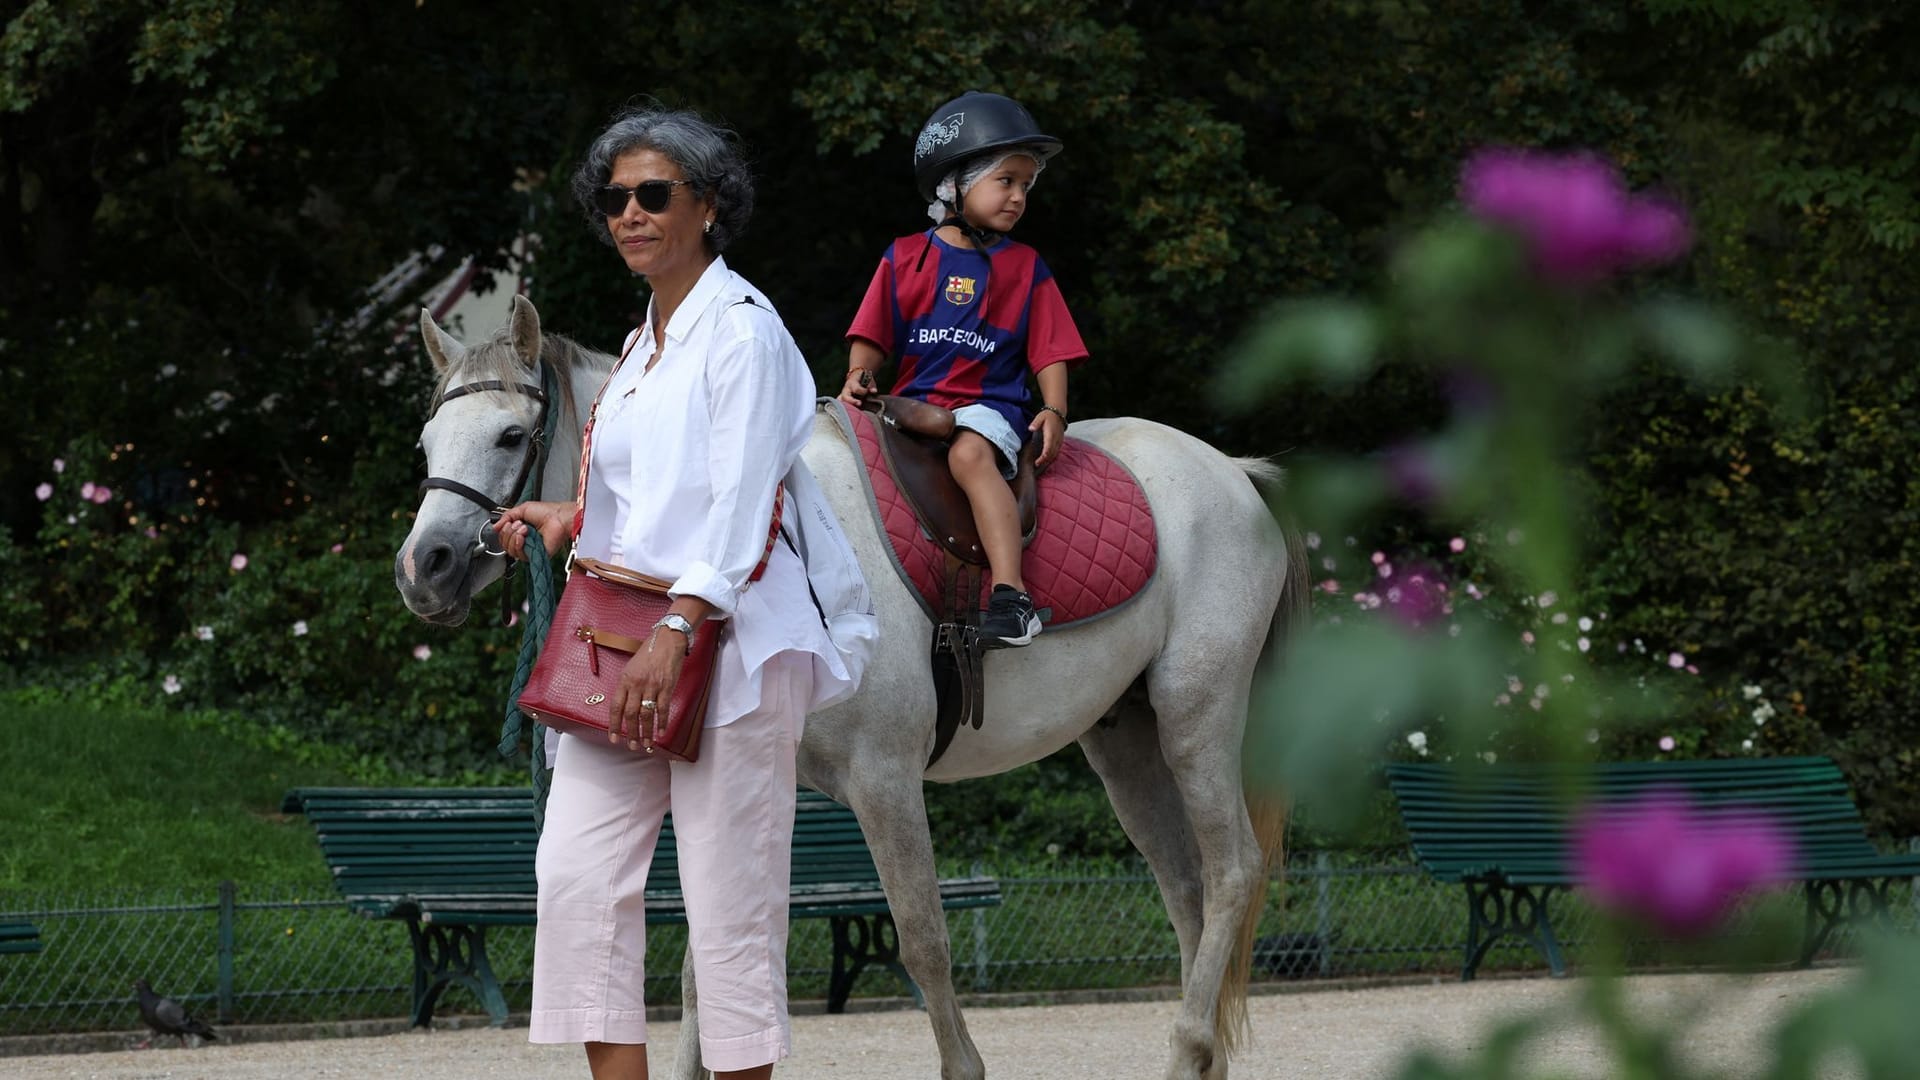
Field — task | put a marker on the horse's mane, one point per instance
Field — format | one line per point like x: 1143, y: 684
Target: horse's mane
x: 495, y: 358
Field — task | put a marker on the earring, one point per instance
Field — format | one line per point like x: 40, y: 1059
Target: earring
x: 709, y: 228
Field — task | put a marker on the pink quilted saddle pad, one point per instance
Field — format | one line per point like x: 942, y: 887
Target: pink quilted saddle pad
x: 1093, y: 547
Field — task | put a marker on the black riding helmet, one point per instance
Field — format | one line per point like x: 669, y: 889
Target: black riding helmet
x: 969, y: 125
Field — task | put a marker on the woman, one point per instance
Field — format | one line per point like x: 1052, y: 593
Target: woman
x: 695, y: 429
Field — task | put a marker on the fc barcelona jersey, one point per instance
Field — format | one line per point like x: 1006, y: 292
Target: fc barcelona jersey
x: 967, y: 327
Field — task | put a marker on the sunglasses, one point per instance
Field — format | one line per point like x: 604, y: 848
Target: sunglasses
x: 654, y: 195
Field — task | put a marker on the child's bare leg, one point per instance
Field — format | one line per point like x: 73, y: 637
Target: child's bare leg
x: 977, y: 469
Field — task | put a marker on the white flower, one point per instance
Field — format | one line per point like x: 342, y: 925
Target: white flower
x: 1585, y: 624
x: 1549, y: 598
x: 300, y: 628
x: 1584, y: 643
x: 1676, y: 660
x: 1559, y: 618
x: 1763, y: 713
x: 1313, y: 541
x: 1750, y: 691
x: 1489, y: 757
x: 1417, y: 740
x: 1746, y: 744
x: 171, y: 684
x: 43, y: 492
x: 204, y: 633
x: 1593, y: 735
x: 422, y: 652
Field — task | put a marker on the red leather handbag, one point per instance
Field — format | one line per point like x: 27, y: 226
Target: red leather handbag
x: 592, y: 637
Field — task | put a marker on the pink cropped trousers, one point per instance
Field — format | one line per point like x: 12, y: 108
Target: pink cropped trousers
x: 733, y: 824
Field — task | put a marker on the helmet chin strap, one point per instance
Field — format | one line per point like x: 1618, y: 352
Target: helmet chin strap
x: 981, y: 239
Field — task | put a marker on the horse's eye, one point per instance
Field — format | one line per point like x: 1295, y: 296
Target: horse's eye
x: 512, y: 437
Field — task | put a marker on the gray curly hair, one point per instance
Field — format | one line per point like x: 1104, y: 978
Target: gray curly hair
x: 708, y: 154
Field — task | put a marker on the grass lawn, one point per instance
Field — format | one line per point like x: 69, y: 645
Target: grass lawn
x: 132, y: 796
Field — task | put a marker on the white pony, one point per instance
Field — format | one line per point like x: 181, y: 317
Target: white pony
x: 1168, y: 752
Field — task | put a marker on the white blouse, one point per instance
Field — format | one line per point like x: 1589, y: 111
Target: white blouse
x: 686, y: 458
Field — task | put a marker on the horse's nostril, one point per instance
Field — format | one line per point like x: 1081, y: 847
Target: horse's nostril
x: 438, y: 561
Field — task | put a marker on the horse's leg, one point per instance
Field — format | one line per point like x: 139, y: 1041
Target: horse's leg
x: 1125, y: 751
x: 686, y: 1052
x: 1201, y: 715
x: 892, y: 810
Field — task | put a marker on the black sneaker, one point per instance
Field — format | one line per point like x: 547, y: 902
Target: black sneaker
x: 1010, y: 621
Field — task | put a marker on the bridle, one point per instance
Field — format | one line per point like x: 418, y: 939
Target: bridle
x: 526, y: 483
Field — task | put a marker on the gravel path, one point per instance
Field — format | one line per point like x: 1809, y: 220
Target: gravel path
x: 1330, y: 1033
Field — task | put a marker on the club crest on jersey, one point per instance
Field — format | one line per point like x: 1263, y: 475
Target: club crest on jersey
x: 959, y: 290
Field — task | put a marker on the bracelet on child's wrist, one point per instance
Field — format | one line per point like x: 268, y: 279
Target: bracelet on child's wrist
x: 1061, y: 413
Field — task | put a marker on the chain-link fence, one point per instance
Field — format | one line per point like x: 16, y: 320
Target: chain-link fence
x: 252, y: 954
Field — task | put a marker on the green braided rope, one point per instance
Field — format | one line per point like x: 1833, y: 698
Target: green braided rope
x: 541, y: 602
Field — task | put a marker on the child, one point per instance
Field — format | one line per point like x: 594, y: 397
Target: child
x: 969, y: 313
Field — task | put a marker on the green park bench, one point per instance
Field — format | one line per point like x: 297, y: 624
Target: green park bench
x: 18, y: 938
x: 1501, y: 831
x: 452, y: 862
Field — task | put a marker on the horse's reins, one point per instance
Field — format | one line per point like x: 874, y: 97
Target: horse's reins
x: 526, y: 483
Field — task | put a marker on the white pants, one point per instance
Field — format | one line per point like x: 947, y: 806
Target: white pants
x: 733, y: 825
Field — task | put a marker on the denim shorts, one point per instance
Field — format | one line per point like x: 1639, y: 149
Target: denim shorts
x: 993, y: 427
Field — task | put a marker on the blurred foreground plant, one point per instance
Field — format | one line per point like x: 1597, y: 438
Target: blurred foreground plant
x: 1513, y: 310
x: 1510, y: 309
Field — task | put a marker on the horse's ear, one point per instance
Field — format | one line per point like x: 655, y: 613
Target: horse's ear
x: 442, y: 349
x: 526, y: 331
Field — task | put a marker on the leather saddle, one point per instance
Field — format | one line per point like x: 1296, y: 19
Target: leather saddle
x: 914, y: 437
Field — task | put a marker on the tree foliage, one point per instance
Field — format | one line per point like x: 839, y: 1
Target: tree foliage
x: 195, y: 196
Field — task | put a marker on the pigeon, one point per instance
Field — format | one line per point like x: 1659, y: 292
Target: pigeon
x: 168, y: 1017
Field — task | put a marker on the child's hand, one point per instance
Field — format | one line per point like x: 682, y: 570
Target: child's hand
x: 1052, y: 430
x: 858, y: 385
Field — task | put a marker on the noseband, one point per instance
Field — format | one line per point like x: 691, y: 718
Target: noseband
x: 526, y: 483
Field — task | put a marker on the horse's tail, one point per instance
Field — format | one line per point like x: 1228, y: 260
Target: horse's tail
x: 1267, y: 809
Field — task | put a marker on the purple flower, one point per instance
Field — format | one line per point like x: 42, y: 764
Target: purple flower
x: 1678, y: 867
x: 1574, y: 211
x: 43, y: 492
x: 1417, y: 596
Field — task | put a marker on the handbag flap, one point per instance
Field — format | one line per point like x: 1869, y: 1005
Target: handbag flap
x: 620, y: 575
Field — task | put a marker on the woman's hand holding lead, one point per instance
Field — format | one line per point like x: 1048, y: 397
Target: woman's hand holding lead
x: 552, y: 520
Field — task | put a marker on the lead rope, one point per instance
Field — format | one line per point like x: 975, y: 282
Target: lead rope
x: 542, y: 599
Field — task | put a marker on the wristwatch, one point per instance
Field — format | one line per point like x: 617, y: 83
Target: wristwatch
x: 674, y: 621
